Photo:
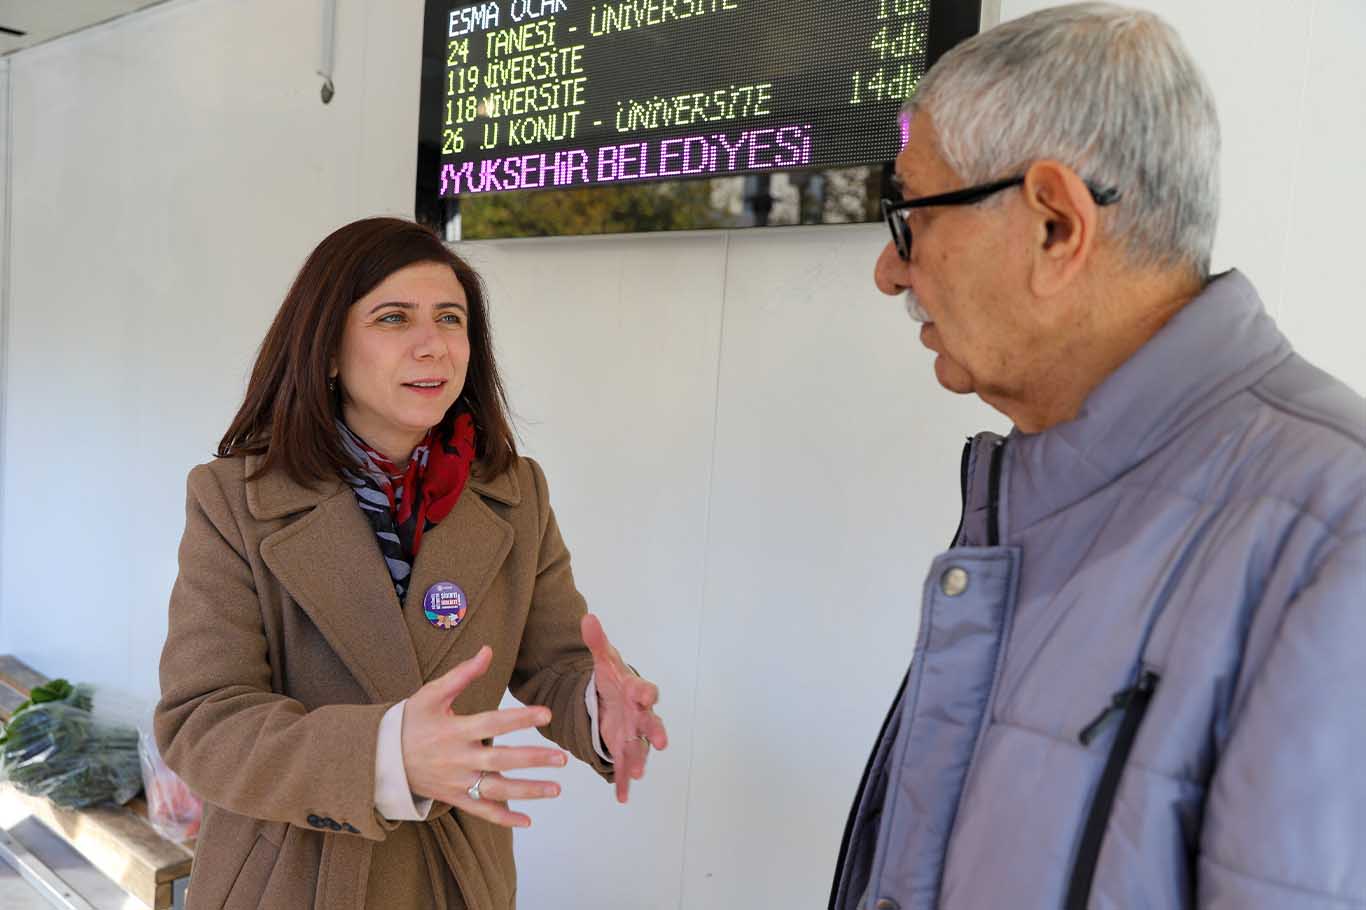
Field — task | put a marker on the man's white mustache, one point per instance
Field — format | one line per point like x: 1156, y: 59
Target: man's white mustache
x: 915, y: 309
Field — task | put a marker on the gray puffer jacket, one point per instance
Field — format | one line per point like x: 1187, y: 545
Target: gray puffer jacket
x: 1140, y: 679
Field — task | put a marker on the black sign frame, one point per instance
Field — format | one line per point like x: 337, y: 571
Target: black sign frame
x: 950, y: 22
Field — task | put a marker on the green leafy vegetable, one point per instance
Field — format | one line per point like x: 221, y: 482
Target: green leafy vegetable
x: 54, y: 747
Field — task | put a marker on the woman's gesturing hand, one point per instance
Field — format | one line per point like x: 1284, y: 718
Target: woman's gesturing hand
x: 444, y: 753
x: 626, y: 714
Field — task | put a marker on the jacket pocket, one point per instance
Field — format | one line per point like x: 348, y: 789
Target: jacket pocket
x: 250, y: 884
x: 1132, y: 705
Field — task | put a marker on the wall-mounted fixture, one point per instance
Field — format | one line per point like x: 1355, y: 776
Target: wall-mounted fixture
x: 328, y: 49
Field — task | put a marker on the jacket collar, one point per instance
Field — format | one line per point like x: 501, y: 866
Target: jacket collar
x: 1218, y: 345
x: 276, y: 495
x: 504, y: 488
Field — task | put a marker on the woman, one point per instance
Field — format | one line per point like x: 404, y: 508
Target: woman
x: 366, y: 568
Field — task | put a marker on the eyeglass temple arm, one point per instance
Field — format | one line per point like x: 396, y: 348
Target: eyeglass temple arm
x: 1102, y: 196
x: 970, y: 194
x: 1106, y: 196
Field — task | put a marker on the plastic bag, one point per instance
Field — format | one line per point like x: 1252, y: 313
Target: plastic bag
x: 171, y: 807
x: 54, y: 746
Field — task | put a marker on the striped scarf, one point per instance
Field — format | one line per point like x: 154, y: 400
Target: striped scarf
x: 402, y: 503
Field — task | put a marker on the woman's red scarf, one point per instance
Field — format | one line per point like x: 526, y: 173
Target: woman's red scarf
x: 403, y: 503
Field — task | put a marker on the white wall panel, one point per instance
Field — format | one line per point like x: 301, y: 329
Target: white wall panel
x: 1323, y: 309
x: 610, y: 348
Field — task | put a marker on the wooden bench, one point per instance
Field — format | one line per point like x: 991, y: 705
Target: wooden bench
x: 117, y: 840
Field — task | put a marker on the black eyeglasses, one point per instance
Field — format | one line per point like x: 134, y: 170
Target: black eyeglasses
x: 901, y: 231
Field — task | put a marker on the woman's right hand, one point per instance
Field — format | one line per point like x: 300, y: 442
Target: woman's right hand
x: 444, y: 752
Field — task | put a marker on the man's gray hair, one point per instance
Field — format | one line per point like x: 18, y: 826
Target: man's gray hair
x: 1112, y: 93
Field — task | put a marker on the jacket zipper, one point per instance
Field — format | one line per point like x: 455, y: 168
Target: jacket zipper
x: 998, y: 452
x: 993, y: 492
x: 847, y: 840
x: 1118, y: 703
x: 1132, y: 703
x: 962, y: 491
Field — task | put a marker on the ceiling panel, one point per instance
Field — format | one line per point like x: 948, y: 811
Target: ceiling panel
x: 43, y: 20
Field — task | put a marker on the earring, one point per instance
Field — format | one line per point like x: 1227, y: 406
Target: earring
x: 332, y: 383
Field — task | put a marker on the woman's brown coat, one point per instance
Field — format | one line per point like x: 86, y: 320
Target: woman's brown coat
x: 287, y: 645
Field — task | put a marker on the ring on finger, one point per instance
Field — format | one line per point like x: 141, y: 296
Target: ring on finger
x: 473, y: 792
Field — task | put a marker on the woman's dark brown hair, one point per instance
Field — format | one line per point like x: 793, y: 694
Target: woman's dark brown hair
x: 289, y: 414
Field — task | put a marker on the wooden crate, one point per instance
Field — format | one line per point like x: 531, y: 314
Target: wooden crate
x: 117, y: 840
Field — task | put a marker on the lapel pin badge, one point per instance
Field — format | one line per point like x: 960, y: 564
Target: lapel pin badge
x: 445, y: 604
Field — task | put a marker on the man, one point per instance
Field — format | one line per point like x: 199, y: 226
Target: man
x: 1140, y: 680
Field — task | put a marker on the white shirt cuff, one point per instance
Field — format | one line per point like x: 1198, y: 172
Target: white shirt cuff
x: 590, y: 699
x: 393, y: 799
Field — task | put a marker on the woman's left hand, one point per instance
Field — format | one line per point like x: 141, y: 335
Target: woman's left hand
x: 626, y: 717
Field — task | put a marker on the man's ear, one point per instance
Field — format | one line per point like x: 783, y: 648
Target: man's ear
x: 1066, y: 219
